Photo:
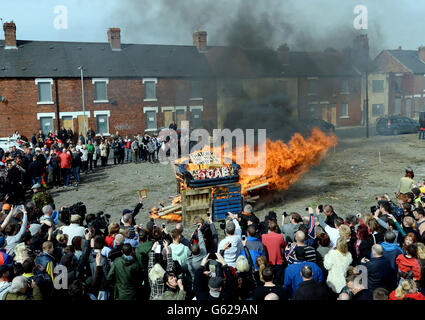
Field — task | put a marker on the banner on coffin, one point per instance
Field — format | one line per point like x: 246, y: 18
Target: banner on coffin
x: 213, y: 173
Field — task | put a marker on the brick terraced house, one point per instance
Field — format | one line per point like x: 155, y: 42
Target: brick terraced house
x: 128, y: 88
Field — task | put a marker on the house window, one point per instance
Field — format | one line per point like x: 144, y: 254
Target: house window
x: 102, y: 124
x: 312, y: 86
x: 150, y: 89
x: 344, y: 110
x: 100, y: 93
x: 378, y: 85
x: 397, y: 106
x: 196, y: 87
x: 344, y: 86
x: 150, y: 120
x: 397, y: 84
x: 378, y: 110
x: 44, y: 91
x: 417, y: 106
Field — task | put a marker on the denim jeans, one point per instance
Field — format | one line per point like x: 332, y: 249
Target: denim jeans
x: 76, y: 174
x: 128, y: 155
x: 65, y: 174
x: 35, y: 180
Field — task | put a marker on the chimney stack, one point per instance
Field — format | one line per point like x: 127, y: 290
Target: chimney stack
x: 361, y: 43
x: 10, y: 35
x: 421, y: 53
x: 200, y: 40
x: 114, y: 38
x: 283, y: 54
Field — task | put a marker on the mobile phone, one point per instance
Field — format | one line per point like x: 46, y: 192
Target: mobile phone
x: 320, y: 208
x: 163, y: 225
x: 243, y: 238
x: 20, y: 207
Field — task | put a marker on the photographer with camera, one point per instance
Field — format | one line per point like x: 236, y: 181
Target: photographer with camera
x: 20, y: 290
x: 209, y: 233
x: 332, y: 231
x: 210, y: 286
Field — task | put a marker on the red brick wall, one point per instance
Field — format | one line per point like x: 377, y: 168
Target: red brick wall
x: 329, y: 89
x: 20, y: 110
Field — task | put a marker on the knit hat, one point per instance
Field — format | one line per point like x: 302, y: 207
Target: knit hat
x: 215, y: 284
x: 6, y: 206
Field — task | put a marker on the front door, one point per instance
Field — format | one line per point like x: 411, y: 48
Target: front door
x: 68, y: 123
x: 180, y: 116
x: 408, y: 107
x: 168, y: 118
x: 81, y: 125
x: 333, y: 114
x: 46, y: 124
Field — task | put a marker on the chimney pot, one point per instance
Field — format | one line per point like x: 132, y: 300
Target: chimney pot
x: 283, y: 54
x: 10, y: 35
x: 114, y: 38
x: 399, y: 48
x: 421, y: 53
x: 200, y: 40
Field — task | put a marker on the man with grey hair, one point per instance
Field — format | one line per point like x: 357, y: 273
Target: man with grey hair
x: 379, y: 272
x: 19, y: 289
x: 231, y: 244
x: 74, y: 229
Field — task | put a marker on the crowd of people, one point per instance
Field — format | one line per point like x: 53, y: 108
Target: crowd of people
x: 58, y: 158
x: 379, y: 255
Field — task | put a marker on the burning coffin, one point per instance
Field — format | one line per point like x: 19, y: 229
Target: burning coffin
x: 202, y: 169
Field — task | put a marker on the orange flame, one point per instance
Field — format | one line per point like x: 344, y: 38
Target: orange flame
x: 286, y: 163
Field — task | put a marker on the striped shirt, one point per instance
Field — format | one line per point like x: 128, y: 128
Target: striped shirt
x: 310, y: 254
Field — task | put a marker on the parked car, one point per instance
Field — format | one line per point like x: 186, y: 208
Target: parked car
x: 321, y: 124
x: 396, y: 125
x: 5, y: 143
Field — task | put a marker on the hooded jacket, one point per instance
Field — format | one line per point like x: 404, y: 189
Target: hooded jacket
x: 255, y: 248
x: 391, y: 251
x: 125, y: 276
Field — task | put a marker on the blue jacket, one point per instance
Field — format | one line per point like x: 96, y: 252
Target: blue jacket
x: 47, y: 262
x: 255, y: 247
x: 293, y: 275
x: 391, y: 251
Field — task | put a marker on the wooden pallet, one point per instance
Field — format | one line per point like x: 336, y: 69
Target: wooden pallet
x: 196, y: 202
x: 226, y: 198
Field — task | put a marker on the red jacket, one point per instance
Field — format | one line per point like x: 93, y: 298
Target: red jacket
x: 405, y: 265
x: 415, y: 296
x: 65, y: 160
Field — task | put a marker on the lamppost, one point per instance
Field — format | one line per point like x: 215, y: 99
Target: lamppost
x: 81, y: 68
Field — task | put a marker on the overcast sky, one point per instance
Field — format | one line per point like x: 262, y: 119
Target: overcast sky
x: 303, y: 24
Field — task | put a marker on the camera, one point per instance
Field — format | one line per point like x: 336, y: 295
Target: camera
x: 223, y: 225
x: 212, y: 256
x: 306, y: 209
x: 320, y: 208
x: 243, y: 238
x: 284, y: 214
x: 373, y: 209
x: 163, y: 225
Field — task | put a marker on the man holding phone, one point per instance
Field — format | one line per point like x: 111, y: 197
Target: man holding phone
x: 232, y: 244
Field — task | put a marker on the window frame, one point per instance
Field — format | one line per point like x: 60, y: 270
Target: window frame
x: 148, y: 109
x: 373, y: 86
x: 106, y: 113
x: 342, y: 86
x: 44, y: 80
x: 149, y: 80
x: 313, y: 80
x: 106, y: 81
x: 383, y: 109
x: 347, y: 113
x: 200, y: 84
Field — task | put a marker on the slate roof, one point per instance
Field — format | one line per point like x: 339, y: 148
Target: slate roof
x: 410, y: 59
x: 61, y: 59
